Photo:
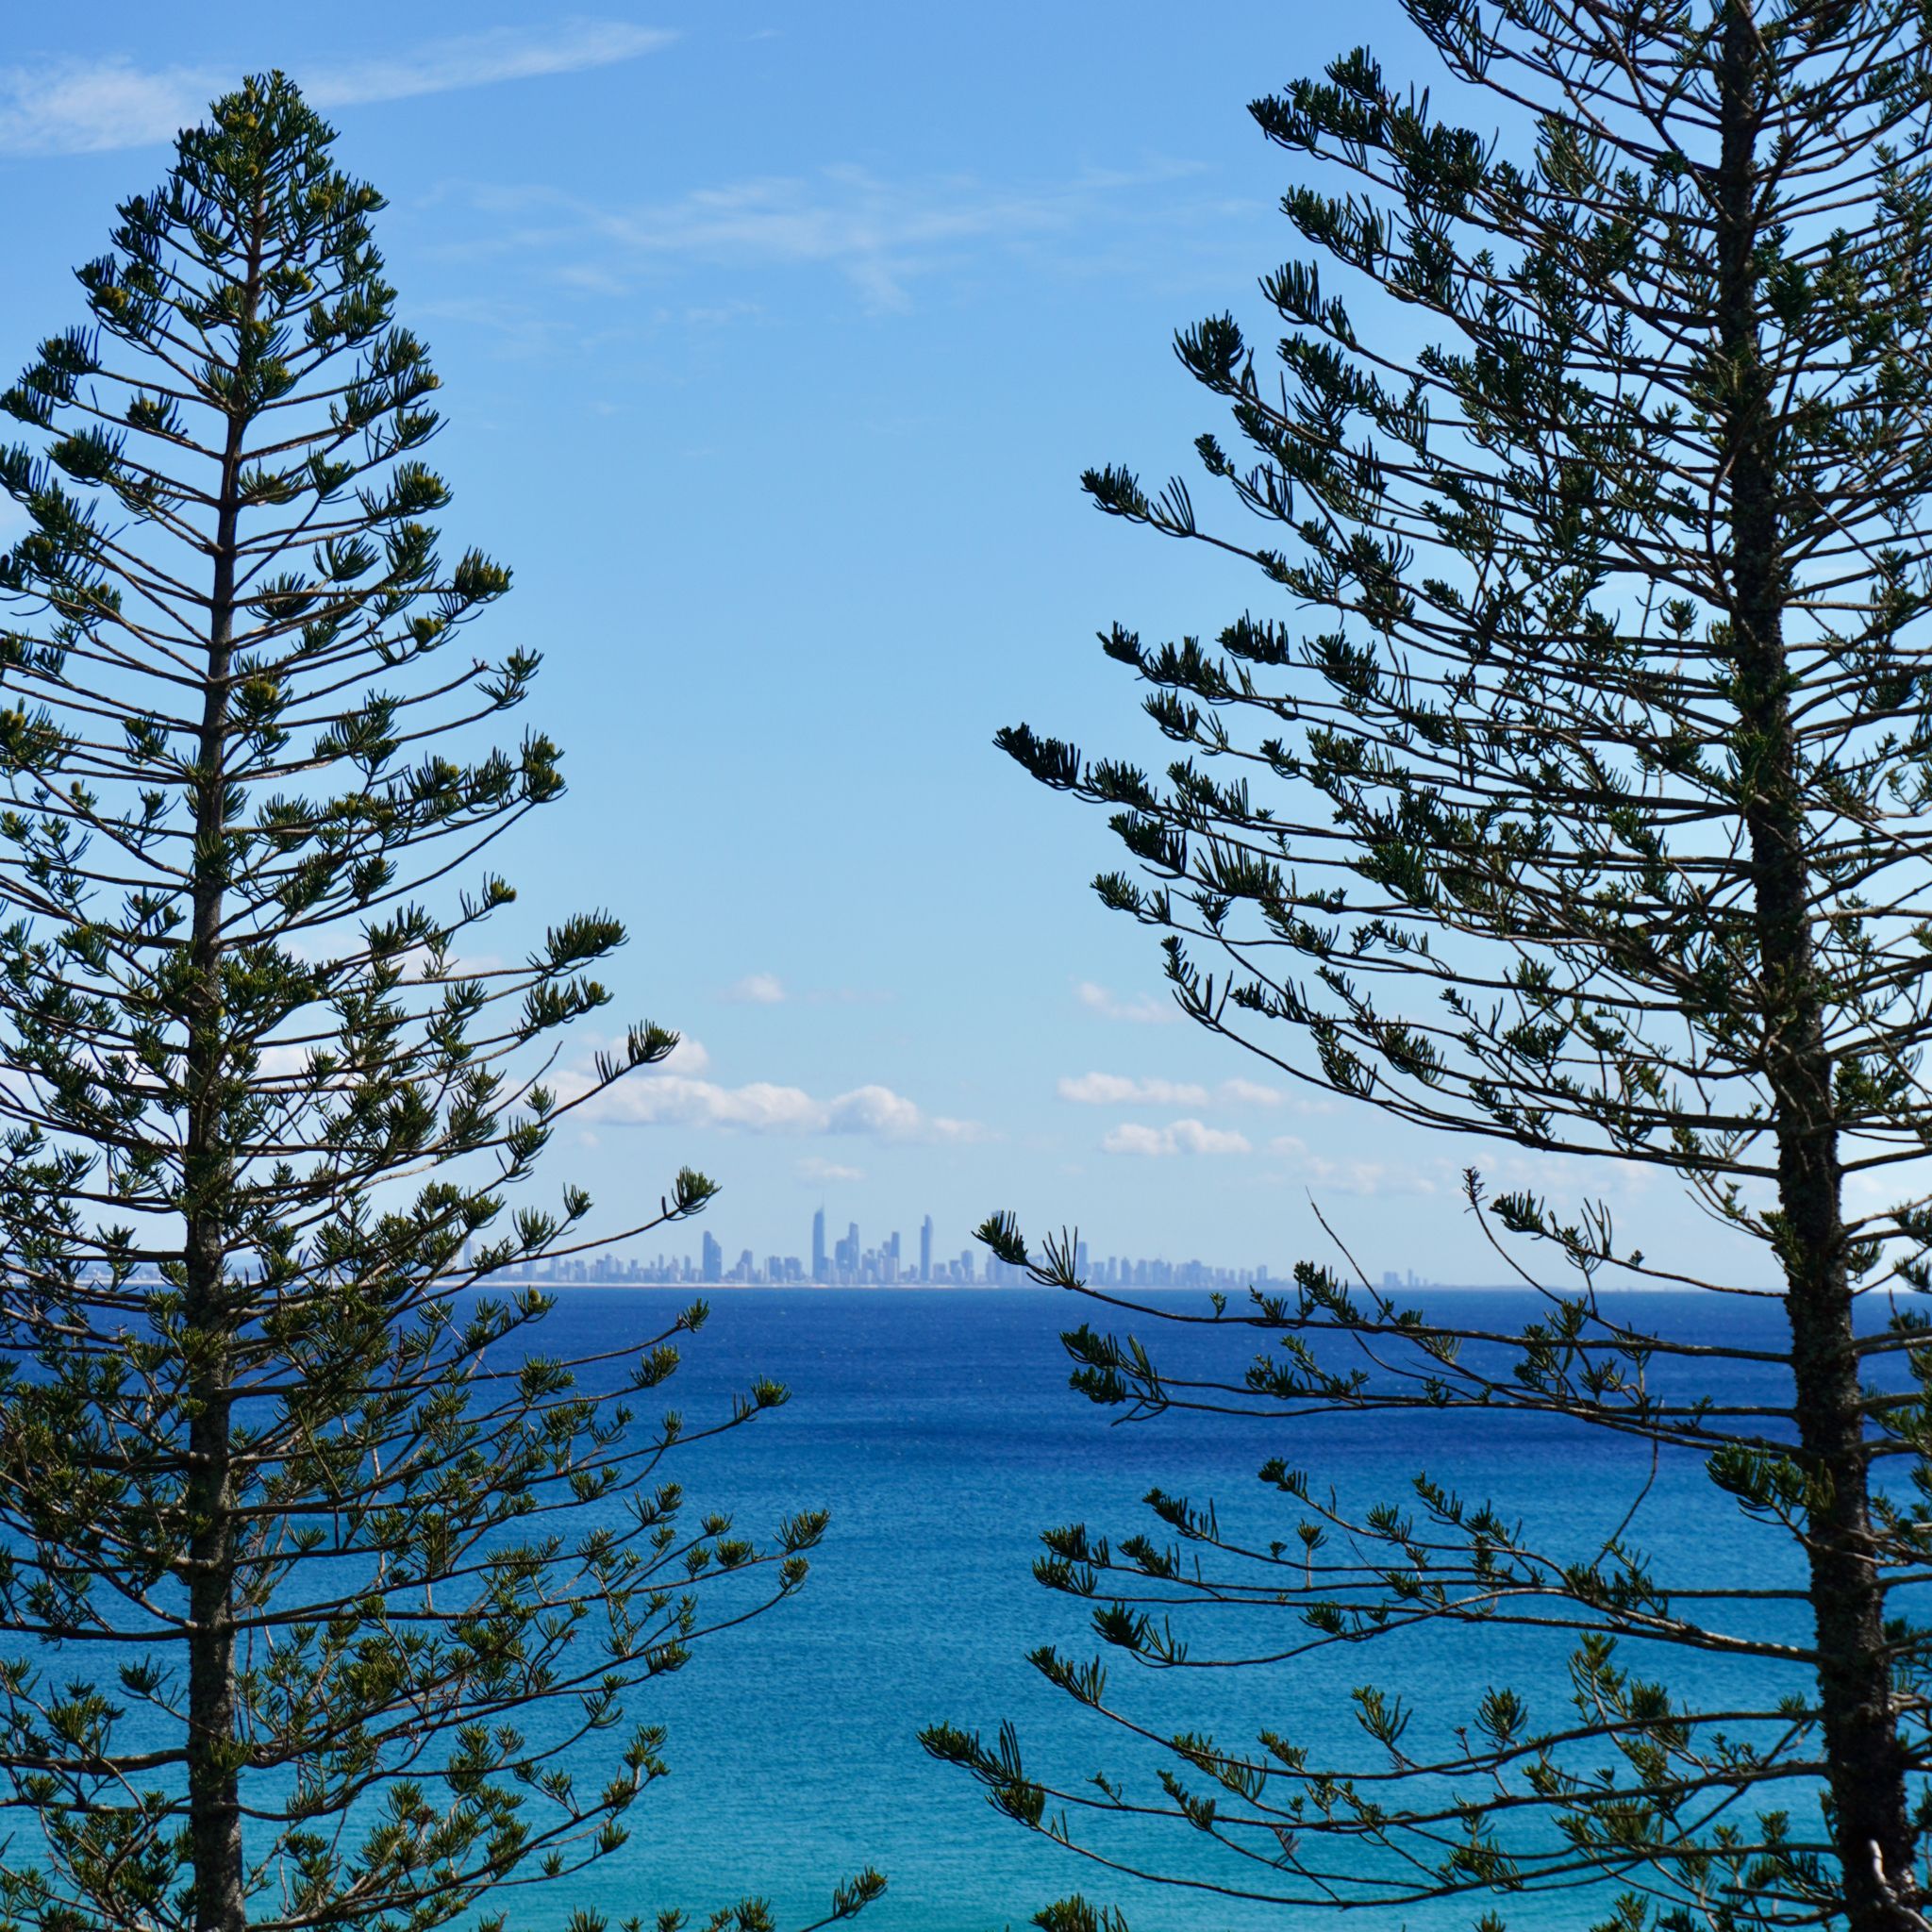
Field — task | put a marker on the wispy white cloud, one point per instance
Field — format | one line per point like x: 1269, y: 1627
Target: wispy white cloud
x: 813, y: 1169
x: 484, y: 59
x: 883, y: 236
x: 1141, y: 1007
x: 768, y: 989
x: 90, y: 106
x: 1240, y: 1092
x: 1177, y: 1136
x: 757, y: 990
x: 1121, y: 1089
x: 1345, y: 1175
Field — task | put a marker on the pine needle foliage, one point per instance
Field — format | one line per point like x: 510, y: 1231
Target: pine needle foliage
x: 1569, y: 791
x: 323, y: 1584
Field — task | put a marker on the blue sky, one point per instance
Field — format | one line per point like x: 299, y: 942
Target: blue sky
x: 775, y: 338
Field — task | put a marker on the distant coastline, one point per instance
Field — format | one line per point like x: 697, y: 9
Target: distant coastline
x: 1129, y: 1293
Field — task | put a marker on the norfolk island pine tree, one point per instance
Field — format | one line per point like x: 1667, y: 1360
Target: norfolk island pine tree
x: 322, y: 1585
x: 1568, y: 793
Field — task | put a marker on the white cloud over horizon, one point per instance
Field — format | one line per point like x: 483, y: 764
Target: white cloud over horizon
x: 757, y: 990
x: 812, y: 1169
x: 1177, y: 1136
x: 1250, y: 1092
x: 769, y: 989
x: 96, y: 103
x: 674, y: 1093
x: 1141, y: 1009
x: 1359, y: 1176
x: 1122, y: 1090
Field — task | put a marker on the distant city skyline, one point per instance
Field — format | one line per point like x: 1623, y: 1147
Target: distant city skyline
x: 848, y: 1263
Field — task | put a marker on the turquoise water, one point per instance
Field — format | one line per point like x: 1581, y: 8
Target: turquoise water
x: 938, y: 1428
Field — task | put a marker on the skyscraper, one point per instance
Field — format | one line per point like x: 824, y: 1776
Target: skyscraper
x: 926, y: 1249
x: 819, y: 1268
x: 714, y: 1258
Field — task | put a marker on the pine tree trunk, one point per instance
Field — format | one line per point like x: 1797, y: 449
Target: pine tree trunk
x: 1866, y: 1767
x: 213, y: 1781
x: 213, y: 1788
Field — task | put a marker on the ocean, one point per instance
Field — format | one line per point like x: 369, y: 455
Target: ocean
x: 937, y: 1427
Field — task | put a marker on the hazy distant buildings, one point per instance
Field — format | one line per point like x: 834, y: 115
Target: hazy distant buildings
x: 854, y: 1266
x: 849, y: 1263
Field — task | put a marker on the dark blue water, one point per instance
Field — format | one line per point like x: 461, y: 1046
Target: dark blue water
x: 938, y: 1428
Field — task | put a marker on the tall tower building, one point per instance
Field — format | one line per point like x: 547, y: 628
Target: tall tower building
x: 819, y: 1258
x: 714, y: 1258
x: 926, y: 1249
